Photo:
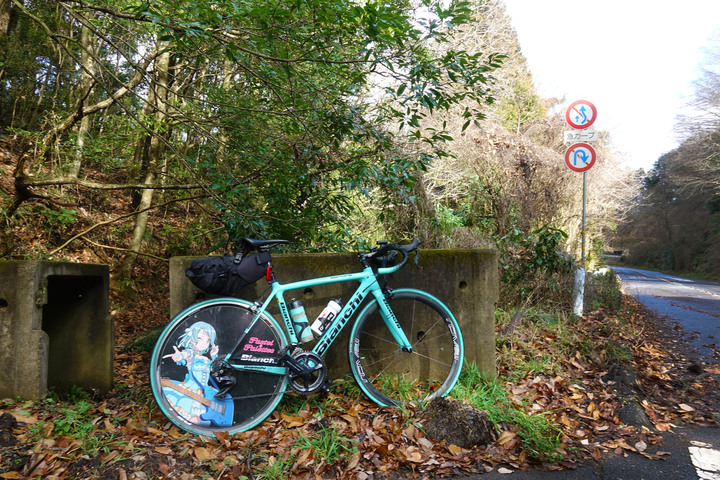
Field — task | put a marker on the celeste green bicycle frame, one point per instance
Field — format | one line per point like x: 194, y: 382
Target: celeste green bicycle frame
x: 368, y: 285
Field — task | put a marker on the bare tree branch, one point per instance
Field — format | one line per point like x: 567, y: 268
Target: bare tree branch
x: 117, y: 219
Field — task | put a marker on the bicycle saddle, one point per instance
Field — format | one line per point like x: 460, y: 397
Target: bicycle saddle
x: 262, y: 245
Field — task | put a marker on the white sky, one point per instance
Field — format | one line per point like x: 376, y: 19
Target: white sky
x: 635, y: 60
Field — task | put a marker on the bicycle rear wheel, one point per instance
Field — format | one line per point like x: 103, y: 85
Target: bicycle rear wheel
x: 182, y: 359
x: 390, y: 376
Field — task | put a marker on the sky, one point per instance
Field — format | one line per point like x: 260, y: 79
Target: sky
x: 635, y: 60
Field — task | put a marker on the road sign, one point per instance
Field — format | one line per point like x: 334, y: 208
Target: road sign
x: 580, y: 157
x: 572, y: 136
x: 580, y: 114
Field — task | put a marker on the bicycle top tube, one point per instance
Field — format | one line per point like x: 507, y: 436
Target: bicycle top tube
x: 382, y: 257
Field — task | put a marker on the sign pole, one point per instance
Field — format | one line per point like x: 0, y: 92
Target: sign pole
x: 579, y: 287
x: 582, y: 252
x: 580, y: 157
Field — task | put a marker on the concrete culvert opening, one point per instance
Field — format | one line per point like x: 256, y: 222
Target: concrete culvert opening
x: 70, y: 319
x: 56, y: 331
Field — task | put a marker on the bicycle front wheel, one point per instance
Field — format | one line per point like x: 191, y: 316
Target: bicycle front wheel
x: 390, y: 376
x: 181, y: 364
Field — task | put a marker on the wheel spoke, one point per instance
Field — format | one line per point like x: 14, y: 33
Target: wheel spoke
x: 429, y: 370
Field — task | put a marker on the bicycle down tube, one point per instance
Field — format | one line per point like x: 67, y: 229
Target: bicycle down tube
x: 368, y: 284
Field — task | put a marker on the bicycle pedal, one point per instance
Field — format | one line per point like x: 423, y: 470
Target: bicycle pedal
x: 325, y: 389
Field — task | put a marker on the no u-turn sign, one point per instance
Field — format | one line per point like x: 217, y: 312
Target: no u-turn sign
x: 580, y: 157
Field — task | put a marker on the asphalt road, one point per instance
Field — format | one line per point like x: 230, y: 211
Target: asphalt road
x: 694, y: 451
x: 693, y: 305
x: 694, y: 455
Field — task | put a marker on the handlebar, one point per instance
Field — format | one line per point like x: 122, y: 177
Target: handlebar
x: 386, y: 254
x: 383, y: 255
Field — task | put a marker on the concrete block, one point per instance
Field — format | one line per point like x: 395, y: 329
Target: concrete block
x: 465, y: 280
x: 55, y: 328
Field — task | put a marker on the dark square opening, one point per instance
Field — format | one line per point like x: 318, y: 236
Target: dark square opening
x: 74, y: 320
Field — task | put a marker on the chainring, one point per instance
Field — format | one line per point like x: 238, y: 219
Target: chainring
x: 313, y: 375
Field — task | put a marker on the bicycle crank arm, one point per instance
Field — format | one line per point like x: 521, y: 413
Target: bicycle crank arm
x: 307, y: 372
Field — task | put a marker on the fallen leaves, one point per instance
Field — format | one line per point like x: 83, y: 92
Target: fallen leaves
x: 575, y: 392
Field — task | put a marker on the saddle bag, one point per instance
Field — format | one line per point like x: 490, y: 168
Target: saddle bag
x: 224, y: 275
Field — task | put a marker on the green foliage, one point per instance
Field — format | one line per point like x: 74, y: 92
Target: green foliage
x: 594, y: 254
x: 672, y: 221
x: 60, y: 219
x: 283, y: 113
x: 274, y: 469
x: 73, y: 420
x: 146, y: 342
x: 30, y: 64
x: 521, y: 107
x: 328, y: 445
x: 446, y: 220
x: 602, y: 290
x: 546, y: 254
x: 53, y: 223
x: 303, y: 121
x: 533, y: 265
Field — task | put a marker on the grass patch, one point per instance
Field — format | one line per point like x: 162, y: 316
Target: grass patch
x: 340, y: 391
x: 146, y: 343
x: 602, y: 290
x: 539, y: 436
x: 76, y: 419
x: 329, y: 445
x: 274, y: 469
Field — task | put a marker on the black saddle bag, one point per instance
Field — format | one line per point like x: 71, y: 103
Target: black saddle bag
x: 224, y: 275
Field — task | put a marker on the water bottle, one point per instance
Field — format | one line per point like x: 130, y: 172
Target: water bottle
x: 326, y: 316
x: 300, y: 321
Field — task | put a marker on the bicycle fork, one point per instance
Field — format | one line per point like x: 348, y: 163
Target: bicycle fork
x: 391, y: 320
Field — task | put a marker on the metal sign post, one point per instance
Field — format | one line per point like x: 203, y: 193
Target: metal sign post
x: 580, y: 157
x: 582, y: 248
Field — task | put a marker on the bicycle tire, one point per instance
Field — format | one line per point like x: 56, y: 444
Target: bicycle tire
x: 392, y: 377
x: 254, y: 395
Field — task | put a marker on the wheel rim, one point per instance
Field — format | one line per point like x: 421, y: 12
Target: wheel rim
x: 255, y: 394
x: 390, y: 376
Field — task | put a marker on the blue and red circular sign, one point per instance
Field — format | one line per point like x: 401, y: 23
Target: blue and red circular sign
x: 580, y: 157
x: 581, y: 114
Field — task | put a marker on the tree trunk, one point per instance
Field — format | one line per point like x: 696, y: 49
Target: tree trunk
x: 4, y: 17
x: 160, y: 86
x: 88, y: 72
x: 142, y: 146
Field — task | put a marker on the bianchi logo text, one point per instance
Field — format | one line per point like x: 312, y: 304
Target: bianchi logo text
x: 252, y: 358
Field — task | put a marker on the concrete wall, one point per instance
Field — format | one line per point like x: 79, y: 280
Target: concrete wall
x: 465, y: 280
x: 55, y: 328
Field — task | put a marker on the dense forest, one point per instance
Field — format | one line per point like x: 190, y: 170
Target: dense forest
x: 673, y: 220
x: 133, y: 131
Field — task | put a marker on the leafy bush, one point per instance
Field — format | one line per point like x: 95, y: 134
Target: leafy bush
x: 534, y: 269
x: 602, y: 290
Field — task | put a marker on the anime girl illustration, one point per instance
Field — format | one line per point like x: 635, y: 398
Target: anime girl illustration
x: 193, y: 398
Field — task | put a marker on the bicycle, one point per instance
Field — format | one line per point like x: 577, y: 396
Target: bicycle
x: 224, y: 364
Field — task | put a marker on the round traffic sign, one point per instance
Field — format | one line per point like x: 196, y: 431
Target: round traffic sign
x: 580, y: 157
x: 580, y: 114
